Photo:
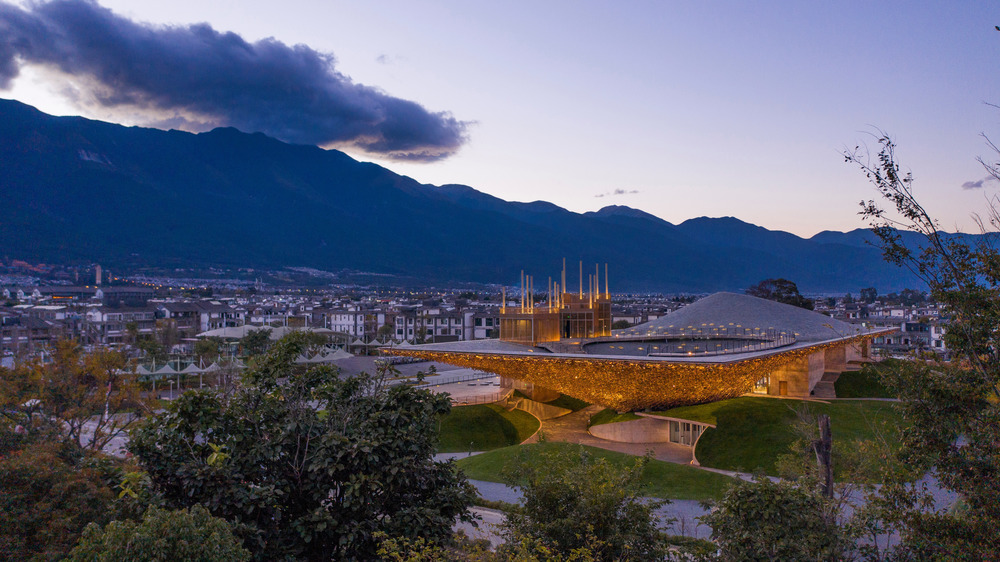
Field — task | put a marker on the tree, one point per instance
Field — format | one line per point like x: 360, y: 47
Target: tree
x: 162, y: 535
x: 397, y: 549
x: 153, y: 349
x: 207, y: 349
x: 256, y: 342
x: 765, y: 520
x: 47, y: 496
x: 314, y: 464
x: 868, y: 295
x: 167, y: 334
x: 89, y: 399
x: 780, y: 290
x: 386, y: 331
x: 132, y: 329
x: 621, y: 325
x: 576, y: 503
x: 952, y: 411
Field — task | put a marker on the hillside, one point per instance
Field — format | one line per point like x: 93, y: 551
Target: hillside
x: 74, y: 189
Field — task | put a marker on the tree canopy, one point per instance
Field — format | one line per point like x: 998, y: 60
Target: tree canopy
x: 578, y: 504
x: 313, y: 464
x: 952, y: 410
x: 780, y: 290
x: 767, y: 520
x: 192, y: 534
x: 87, y: 398
x: 256, y: 342
x: 48, y: 494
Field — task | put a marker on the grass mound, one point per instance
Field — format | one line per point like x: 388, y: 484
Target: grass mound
x: 484, y: 427
x: 752, y: 432
x: 865, y: 383
x: 609, y: 415
x: 660, y: 479
x: 568, y: 402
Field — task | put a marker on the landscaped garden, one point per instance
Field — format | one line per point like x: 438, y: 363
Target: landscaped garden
x: 660, y: 479
x: 610, y: 415
x: 862, y: 384
x: 752, y: 432
x: 484, y: 427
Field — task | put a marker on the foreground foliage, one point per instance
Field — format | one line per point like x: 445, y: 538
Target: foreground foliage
x: 419, y: 550
x: 578, y: 503
x: 765, y: 520
x: 192, y: 535
x: 952, y: 411
x: 48, y: 493
x: 87, y: 399
x: 311, y: 464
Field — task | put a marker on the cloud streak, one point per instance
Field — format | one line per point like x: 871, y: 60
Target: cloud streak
x: 201, y: 78
x: 978, y: 184
x: 618, y: 191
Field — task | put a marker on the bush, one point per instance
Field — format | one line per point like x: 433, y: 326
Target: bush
x: 575, y: 503
x: 764, y: 520
x: 162, y: 535
x: 46, y: 500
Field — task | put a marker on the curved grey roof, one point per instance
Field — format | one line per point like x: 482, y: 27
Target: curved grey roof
x: 723, y: 309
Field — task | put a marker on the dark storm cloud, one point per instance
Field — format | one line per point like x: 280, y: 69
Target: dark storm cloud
x: 290, y: 92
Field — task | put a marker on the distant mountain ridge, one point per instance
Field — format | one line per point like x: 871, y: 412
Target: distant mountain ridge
x: 74, y: 189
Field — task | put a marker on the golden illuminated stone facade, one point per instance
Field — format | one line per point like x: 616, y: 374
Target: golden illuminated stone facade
x: 629, y: 384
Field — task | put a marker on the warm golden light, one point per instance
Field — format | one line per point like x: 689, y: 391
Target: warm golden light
x: 631, y: 384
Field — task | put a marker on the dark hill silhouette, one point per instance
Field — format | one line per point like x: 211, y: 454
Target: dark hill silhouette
x: 74, y: 189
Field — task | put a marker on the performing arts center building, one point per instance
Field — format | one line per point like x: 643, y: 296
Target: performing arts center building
x: 722, y: 346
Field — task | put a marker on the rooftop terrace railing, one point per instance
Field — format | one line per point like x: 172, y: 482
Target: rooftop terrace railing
x: 693, y: 341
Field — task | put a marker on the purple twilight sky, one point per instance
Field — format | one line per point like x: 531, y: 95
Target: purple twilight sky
x: 682, y: 109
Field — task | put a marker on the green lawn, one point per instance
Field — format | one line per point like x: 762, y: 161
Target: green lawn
x: 484, y: 427
x: 752, y: 432
x: 861, y: 384
x: 660, y: 479
x: 609, y: 415
x: 568, y: 402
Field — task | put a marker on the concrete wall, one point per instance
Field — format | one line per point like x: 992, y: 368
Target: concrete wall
x: 857, y: 351
x: 541, y: 394
x: 835, y: 358
x: 800, y: 376
x: 645, y: 430
x: 541, y: 411
x: 533, y: 391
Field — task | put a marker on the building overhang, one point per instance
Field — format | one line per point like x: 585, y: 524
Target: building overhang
x: 629, y: 383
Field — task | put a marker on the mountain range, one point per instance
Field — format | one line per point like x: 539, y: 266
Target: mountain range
x: 78, y: 190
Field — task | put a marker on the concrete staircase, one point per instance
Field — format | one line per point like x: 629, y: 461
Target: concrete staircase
x: 824, y: 388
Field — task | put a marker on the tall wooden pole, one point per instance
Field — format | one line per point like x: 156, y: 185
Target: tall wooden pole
x: 823, y: 447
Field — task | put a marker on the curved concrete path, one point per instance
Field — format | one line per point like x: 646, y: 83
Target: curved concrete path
x: 572, y: 428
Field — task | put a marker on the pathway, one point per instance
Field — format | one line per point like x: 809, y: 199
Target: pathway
x: 572, y: 428
x: 684, y: 513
